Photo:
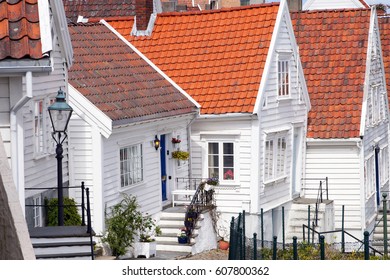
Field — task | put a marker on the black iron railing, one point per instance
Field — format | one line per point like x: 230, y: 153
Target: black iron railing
x: 203, y: 199
x: 322, y: 191
x: 85, y: 209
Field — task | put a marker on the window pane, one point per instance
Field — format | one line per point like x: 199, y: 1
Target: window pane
x: 131, y: 165
x: 213, y: 148
x: 228, y: 148
x: 213, y: 172
x: 268, y: 160
x: 228, y: 174
x: 213, y: 161
x: 228, y: 161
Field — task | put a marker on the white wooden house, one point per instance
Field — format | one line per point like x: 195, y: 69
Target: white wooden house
x: 333, y: 4
x: 348, y: 127
x: 34, y: 57
x: 122, y: 103
x: 242, y: 66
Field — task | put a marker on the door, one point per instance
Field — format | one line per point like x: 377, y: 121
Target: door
x: 163, y: 161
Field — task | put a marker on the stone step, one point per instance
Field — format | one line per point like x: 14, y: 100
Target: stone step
x: 174, y: 247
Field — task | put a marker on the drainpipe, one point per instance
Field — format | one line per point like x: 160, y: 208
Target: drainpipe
x: 377, y: 149
x: 17, y: 141
x: 189, y: 143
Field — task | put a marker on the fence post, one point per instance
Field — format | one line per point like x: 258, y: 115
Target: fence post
x: 232, y: 241
x: 308, y: 224
x: 366, y: 246
x: 255, y: 246
x: 243, y: 234
x: 322, y: 247
x: 295, y: 248
x: 283, y: 229
x: 327, y: 193
x: 274, y: 247
x: 262, y: 228
x: 82, y: 204
x: 240, y: 244
x: 385, y: 249
x: 342, y: 231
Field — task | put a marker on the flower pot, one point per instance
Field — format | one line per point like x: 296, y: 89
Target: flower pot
x: 182, y: 239
x: 145, y: 249
x: 223, y: 245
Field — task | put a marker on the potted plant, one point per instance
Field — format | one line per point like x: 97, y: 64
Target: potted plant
x: 181, y: 155
x: 176, y: 140
x: 222, y: 243
x: 182, y: 237
x: 148, y: 230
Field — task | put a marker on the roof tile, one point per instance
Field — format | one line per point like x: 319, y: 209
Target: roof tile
x: 224, y: 49
x: 334, y: 72
x: 101, y: 73
x: 19, y: 29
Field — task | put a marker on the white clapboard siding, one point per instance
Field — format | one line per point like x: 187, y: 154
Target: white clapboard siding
x: 280, y: 115
x: 4, y: 115
x: 341, y: 164
x: 42, y: 171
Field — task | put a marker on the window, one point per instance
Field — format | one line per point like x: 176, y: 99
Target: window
x: 37, y: 212
x: 369, y: 168
x: 376, y: 106
x: 43, y: 142
x: 131, y: 165
x: 283, y: 77
x: 275, y: 156
x: 384, y: 164
x: 221, y: 160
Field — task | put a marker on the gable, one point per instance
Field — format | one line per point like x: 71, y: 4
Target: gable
x: 334, y: 4
x: 217, y: 56
x: 283, y: 47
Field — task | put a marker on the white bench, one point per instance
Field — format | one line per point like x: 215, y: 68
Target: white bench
x: 176, y: 196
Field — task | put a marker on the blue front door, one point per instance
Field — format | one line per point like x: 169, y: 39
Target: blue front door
x: 163, y: 152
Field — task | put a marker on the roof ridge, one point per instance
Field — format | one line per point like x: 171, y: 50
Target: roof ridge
x: 331, y: 10
x: 114, y: 18
x: 229, y: 9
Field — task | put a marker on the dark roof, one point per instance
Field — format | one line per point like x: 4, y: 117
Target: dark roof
x: 333, y: 50
x: 98, y: 8
x: 20, y: 35
x: 118, y: 81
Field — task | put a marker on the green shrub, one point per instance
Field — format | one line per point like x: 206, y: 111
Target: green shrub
x: 71, y: 215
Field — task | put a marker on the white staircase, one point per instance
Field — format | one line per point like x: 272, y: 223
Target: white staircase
x: 378, y: 237
x: 299, y: 216
x: 61, y: 243
x: 171, y: 223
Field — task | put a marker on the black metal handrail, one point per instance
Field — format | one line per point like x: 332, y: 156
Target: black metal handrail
x: 85, y: 209
x: 320, y: 193
x: 202, y: 200
x: 335, y: 231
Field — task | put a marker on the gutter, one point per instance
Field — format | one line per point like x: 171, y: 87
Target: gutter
x: 17, y: 140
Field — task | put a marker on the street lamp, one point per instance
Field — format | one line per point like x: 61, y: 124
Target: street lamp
x: 60, y: 113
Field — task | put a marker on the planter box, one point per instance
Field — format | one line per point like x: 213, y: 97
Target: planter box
x: 145, y: 249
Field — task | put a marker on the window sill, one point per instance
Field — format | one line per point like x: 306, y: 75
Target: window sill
x: 127, y: 188
x: 275, y: 181
x: 284, y: 99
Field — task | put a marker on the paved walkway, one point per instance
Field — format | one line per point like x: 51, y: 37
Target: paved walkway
x: 160, y: 255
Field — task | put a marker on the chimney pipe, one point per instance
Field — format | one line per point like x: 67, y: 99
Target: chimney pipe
x: 294, y: 5
x: 143, y: 11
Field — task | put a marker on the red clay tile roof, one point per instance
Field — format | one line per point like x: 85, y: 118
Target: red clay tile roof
x: 333, y: 48
x: 98, y: 8
x: 20, y: 35
x: 216, y: 56
x: 384, y: 26
x: 118, y: 81
x: 122, y: 24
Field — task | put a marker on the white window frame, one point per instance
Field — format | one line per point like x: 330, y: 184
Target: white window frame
x: 37, y: 211
x: 369, y: 168
x: 134, y: 172
x: 220, y: 155
x: 384, y: 165
x: 43, y: 142
x: 283, y: 73
x: 275, y: 157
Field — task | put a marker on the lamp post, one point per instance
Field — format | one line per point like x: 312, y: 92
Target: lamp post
x: 60, y: 113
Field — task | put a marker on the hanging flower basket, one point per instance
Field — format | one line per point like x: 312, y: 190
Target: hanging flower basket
x: 181, y: 155
x: 175, y: 140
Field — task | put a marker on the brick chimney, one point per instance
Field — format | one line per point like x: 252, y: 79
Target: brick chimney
x: 143, y: 11
x: 294, y: 5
